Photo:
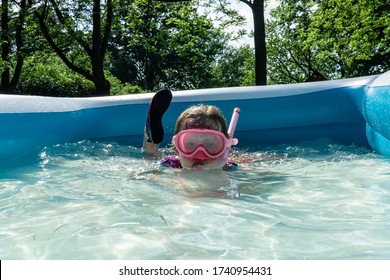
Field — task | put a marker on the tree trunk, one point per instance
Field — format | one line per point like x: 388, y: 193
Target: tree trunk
x: 102, y: 86
x: 96, y: 53
x: 260, y: 46
x: 5, y: 47
x: 19, y: 45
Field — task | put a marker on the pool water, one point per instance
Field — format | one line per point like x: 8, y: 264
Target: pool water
x: 92, y: 200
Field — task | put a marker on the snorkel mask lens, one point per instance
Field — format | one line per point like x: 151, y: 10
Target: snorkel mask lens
x: 201, y: 143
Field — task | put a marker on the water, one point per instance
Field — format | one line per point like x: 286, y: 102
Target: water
x: 105, y: 201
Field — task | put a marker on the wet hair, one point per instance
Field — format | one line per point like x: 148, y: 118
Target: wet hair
x: 201, y: 116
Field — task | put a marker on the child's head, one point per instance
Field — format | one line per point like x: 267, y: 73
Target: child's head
x: 201, y: 118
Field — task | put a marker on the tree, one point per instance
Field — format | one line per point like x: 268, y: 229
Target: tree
x: 165, y: 45
x: 339, y: 39
x: 11, y: 44
x: 44, y: 74
x: 354, y: 35
x: 234, y: 67
x: 257, y: 7
x: 79, y: 34
x: 289, y: 60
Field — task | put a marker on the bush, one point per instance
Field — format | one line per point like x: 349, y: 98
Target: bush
x: 49, y: 76
x: 117, y: 88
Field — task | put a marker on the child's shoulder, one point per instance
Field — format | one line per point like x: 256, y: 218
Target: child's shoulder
x: 171, y: 161
x: 230, y: 165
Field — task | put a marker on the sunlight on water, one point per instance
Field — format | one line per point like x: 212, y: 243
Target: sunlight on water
x: 105, y: 201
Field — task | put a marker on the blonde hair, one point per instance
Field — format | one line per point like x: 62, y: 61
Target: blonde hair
x: 203, y: 116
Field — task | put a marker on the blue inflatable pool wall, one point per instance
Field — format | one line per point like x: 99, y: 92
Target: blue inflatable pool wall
x: 350, y: 111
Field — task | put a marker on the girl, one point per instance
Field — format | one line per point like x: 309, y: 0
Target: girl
x: 201, y: 139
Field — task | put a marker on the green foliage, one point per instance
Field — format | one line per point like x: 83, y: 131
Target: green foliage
x: 118, y: 88
x: 235, y: 67
x: 155, y: 44
x: 78, y: 32
x: 289, y: 60
x: 152, y: 45
x: 354, y: 34
x: 228, y: 18
x: 337, y: 38
x: 166, y: 45
x: 47, y: 75
x: 69, y: 28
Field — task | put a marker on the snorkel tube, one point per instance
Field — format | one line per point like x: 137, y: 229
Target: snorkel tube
x: 233, y: 122
x: 231, y: 129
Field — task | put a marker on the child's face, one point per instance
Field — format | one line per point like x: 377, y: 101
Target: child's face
x: 203, y: 164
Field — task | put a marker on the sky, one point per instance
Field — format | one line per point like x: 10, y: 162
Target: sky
x: 247, y: 12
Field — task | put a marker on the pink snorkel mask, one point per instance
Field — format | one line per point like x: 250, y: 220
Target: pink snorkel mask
x: 206, y: 143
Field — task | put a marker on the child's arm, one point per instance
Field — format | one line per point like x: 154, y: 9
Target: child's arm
x: 149, y: 147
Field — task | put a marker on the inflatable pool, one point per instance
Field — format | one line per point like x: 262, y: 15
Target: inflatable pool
x: 350, y: 111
